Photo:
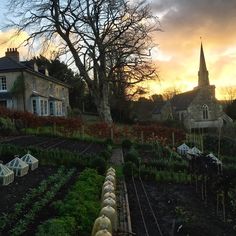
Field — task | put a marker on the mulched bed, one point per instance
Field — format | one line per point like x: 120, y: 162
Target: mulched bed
x: 77, y: 146
x: 196, y: 219
x: 15, y: 191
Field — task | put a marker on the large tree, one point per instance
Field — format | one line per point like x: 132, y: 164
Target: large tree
x: 103, y: 38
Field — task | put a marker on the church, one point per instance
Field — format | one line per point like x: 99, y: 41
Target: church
x: 196, y: 109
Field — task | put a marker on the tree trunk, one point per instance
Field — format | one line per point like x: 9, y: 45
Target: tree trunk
x: 103, y: 106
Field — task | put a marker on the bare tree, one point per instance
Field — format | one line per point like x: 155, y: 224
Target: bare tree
x: 170, y: 93
x: 229, y: 93
x: 103, y: 38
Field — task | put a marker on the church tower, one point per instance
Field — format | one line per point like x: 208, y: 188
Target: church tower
x: 203, y: 79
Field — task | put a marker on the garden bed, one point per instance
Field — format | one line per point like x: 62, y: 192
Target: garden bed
x: 59, y: 143
x: 179, y: 205
x: 14, y: 192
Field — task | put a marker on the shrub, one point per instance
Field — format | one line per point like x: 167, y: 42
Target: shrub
x: 6, y: 126
x: 132, y: 156
x: 99, y: 164
x: 126, y: 144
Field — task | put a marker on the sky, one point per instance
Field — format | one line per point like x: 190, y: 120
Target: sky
x: 183, y: 22
x: 177, y: 50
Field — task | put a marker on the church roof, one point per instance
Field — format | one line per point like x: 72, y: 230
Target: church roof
x: 202, y: 64
x: 203, y: 79
x: 183, y: 100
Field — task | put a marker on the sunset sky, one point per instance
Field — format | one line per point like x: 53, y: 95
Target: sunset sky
x: 176, y: 55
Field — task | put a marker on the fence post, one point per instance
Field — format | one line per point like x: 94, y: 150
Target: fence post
x: 173, y: 139
x: 82, y: 131
x: 112, y: 134
x: 142, y: 137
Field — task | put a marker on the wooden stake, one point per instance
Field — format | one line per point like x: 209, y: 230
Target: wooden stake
x: 173, y: 139
x: 142, y: 137
x: 223, y: 206
x: 112, y: 134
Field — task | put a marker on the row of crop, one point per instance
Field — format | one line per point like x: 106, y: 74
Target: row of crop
x: 58, y: 157
x: 168, y: 167
x: 29, y: 197
x: 77, y: 212
x: 24, y: 212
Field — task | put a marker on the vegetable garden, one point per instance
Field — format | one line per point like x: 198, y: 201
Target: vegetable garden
x: 187, y: 201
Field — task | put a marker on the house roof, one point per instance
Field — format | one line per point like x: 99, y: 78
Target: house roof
x: 179, y: 102
x: 8, y: 64
x: 158, y: 107
x: 182, y: 101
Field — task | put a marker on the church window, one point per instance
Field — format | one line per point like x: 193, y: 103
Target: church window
x: 205, y: 112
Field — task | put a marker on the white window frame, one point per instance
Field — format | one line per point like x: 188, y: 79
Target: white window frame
x: 45, y: 107
x: 34, y: 106
x: 3, y: 83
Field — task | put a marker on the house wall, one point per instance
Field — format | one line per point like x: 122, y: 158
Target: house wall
x: 38, y: 86
x: 14, y: 103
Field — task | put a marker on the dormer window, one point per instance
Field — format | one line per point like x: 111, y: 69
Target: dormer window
x: 3, y: 83
x: 51, y: 89
x: 34, y: 85
x: 205, y: 112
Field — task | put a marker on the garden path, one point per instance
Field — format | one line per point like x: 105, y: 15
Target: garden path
x: 124, y: 221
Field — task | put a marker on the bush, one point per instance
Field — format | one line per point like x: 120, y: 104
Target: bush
x: 6, y: 126
x: 99, y: 164
x: 130, y: 157
x: 105, y: 154
x: 126, y: 144
x: 65, y: 226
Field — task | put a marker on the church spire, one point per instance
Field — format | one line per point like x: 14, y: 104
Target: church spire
x: 203, y: 79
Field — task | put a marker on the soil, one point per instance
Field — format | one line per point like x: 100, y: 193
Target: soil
x: 193, y: 219
x: 80, y: 147
x: 15, y: 191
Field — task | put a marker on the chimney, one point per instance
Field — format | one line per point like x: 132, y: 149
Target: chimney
x: 46, y: 72
x: 36, y: 68
x: 43, y: 69
x: 13, y: 53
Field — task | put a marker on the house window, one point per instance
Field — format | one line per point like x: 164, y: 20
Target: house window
x: 41, y: 107
x: 62, y: 93
x: 63, y: 108
x: 51, y: 109
x: 45, y: 107
x: 205, y: 112
x: 34, y: 106
x: 3, y: 84
x: 51, y: 89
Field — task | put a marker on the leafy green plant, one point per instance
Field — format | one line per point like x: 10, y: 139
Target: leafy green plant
x: 65, y: 226
x: 83, y: 201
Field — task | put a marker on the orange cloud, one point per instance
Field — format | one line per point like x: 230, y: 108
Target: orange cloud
x: 183, y: 22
